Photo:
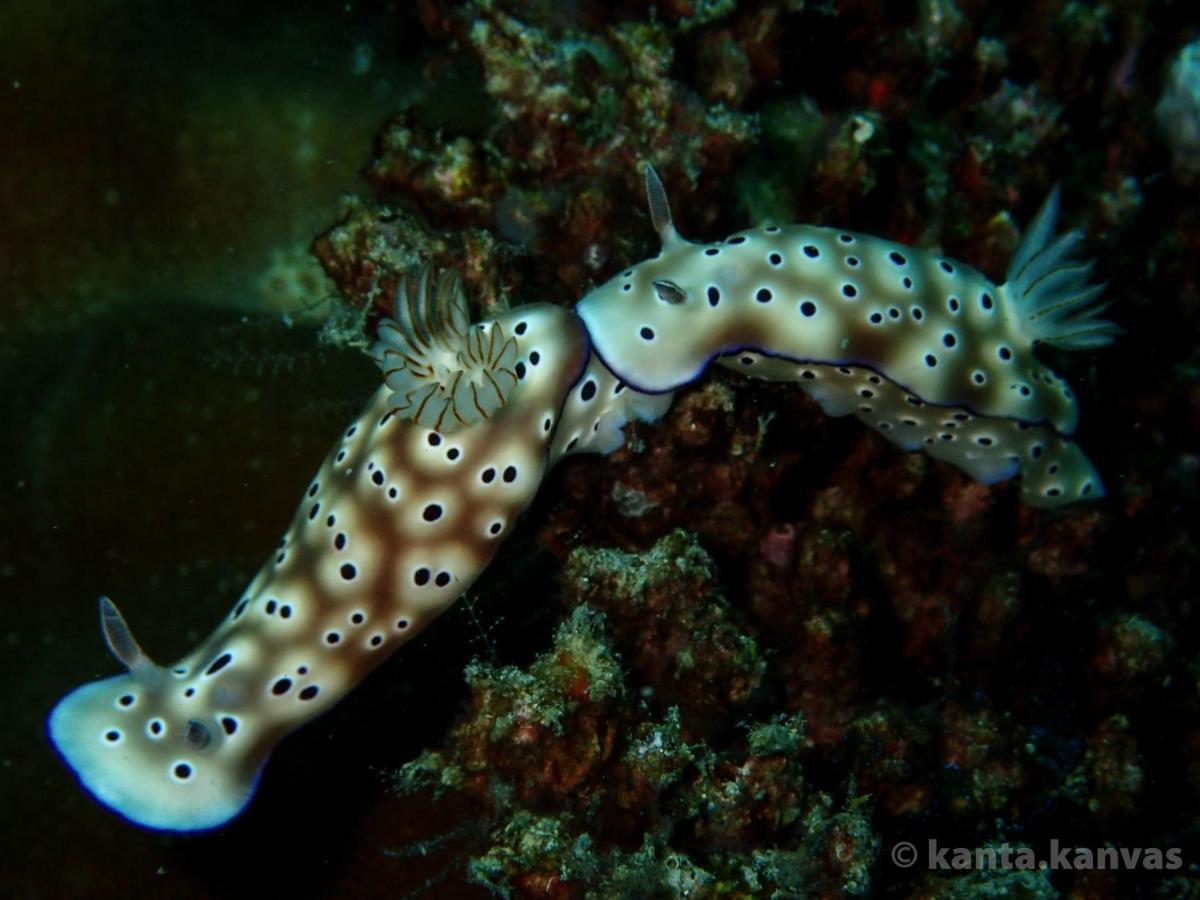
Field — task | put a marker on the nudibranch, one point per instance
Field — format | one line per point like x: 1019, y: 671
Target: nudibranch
x: 924, y: 349
x: 414, y: 499
x: 404, y: 514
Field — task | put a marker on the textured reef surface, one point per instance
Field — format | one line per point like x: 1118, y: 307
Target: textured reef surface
x: 755, y: 649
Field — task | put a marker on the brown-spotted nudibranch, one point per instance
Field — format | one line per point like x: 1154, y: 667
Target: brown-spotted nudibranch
x: 415, y: 498
x: 924, y: 349
x: 410, y: 506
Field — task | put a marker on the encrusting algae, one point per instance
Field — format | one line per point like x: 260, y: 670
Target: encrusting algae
x: 680, y: 817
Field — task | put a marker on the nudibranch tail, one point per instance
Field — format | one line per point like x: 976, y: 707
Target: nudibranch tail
x: 443, y: 373
x: 1052, y: 294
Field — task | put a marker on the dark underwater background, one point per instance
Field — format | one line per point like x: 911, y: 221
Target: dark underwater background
x: 748, y: 654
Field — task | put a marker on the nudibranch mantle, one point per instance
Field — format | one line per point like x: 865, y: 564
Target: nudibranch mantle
x: 791, y: 302
x: 395, y: 526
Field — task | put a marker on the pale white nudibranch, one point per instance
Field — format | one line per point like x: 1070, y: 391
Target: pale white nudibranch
x: 413, y: 501
x: 924, y: 349
x: 396, y: 525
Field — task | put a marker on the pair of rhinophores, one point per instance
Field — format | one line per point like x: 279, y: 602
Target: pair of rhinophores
x: 419, y: 492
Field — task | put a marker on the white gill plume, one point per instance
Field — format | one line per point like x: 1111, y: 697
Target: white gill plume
x: 444, y: 373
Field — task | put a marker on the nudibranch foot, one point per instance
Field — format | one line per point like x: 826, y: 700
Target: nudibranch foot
x: 1054, y: 471
x: 598, y: 407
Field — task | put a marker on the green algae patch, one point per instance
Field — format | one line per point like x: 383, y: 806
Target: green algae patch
x: 594, y: 778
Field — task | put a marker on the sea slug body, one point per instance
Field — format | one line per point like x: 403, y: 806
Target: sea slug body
x: 394, y: 527
x: 418, y: 493
x: 926, y: 350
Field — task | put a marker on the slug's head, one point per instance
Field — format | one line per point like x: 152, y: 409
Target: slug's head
x: 658, y: 324
x: 158, y: 745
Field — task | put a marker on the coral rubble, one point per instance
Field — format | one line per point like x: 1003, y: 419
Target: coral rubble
x: 785, y: 647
